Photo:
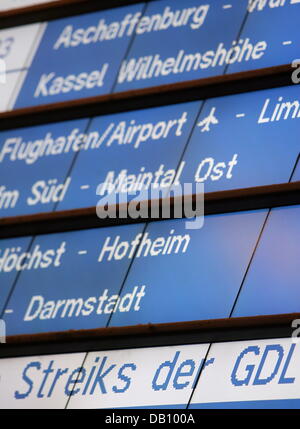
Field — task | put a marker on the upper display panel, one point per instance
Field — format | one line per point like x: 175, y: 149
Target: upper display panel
x: 177, y: 41
x: 155, y: 43
x: 274, y: 25
x: 140, y: 154
x: 79, y: 56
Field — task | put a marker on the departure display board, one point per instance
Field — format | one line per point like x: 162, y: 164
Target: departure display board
x: 191, y: 274
x: 79, y: 56
x: 274, y: 272
x: 34, y: 166
x: 244, y: 140
x: 132, y: 154
x: 68, y: 281
x: 178, y: 41
x: 272, y: 25
x: 250, y: 374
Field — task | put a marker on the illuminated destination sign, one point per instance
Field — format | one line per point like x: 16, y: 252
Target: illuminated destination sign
x: 8, y: 274
x: 108, y: 379
x: 34, y: 166
x: 134, y: 154
x: 177, y: 41
x: 244, y: 140
x: 274, y: 272
x: 38, y: 381
x: 250, y: 374
x: 131, y: 152
x: 272, y: 24
x: 184, y: 273
x: 74, y: 280
x: 69, y: 281
x: 79, y: 56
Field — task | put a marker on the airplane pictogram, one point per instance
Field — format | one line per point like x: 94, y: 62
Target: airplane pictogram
x: 209, y: 120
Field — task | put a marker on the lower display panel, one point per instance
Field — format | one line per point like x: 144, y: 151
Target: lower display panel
x: 243, y: 374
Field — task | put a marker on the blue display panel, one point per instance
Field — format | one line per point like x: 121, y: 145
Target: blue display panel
x: 250, y: 374
x: 65, y: 283
x: 79, y: 56
x: 131, y: 152
x: 244, y: 140
x: 148, y: 377
x: 8, y: 274
x: 190, y: 274
x: 34, y: 165
x: 177, y: 41
x: 272, y: 25
x: 274, y: 272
